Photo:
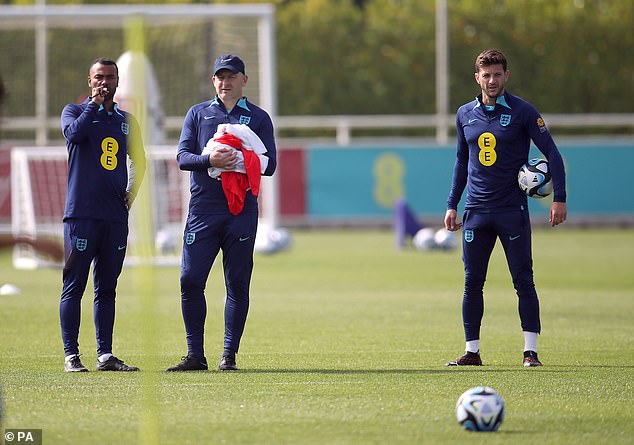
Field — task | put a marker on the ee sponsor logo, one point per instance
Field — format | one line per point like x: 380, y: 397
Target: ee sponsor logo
x: 487, y: 143
x: 109, y: 148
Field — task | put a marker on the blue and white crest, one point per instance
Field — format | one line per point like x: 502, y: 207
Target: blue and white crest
x: 505, y: 119
x: 245, y: 120
x: 468, y: 235
x: 125, y: 128
x: 81, y: 244
x: 190, y: 237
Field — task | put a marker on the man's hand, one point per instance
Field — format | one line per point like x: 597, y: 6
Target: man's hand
x: 450, y: 220
x: 558, y: 213
x: 129, y: 199
x: 223, y: 157
x: 99, y: 95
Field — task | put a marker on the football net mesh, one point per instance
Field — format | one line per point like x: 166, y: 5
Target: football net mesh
x: 180, y: 44
x: 39, y: 177
x: 181, y: 50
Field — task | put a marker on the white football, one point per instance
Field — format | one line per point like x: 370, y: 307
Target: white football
x: 164, y: 242
x: 269, y: 240
x: 424, y: 239
x: 534, y: 178
x: 480, y: 409
x: 263, y: 242
x: 281, y: 238
x: 446, y: 240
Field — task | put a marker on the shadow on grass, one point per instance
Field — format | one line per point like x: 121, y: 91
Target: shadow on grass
x: 589, y: 366
x: 443, y: 370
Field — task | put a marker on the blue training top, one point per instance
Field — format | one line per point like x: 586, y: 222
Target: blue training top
x: 201, y: 122
x: 492, y: 146
x: 98, y: 144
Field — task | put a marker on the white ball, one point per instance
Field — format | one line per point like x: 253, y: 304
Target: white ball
x: 281, y: 238
x: 445, y: 239
x: 424, y: 239
x: 9, y: 289
x: 480, y: 409
x: 534, y: 178
x: 263, y: 241
x: 164, y: 242
x: 269, y: 240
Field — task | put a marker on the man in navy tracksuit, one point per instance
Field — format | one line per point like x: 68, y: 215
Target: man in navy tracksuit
x: 101, y: 188
x: 494, y: 134
x: 210, y: 225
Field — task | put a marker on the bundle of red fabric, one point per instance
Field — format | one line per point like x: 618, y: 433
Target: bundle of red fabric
x: 235, y: 184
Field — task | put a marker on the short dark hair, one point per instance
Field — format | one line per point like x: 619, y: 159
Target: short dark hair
x: 490, y: 57
x: 105, y: 61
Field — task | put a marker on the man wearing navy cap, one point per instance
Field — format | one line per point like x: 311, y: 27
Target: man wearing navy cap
x: 210, y: 225
x: 229, y: 62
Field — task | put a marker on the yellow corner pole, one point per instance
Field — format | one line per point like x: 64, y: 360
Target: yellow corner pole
x: 143, y: 275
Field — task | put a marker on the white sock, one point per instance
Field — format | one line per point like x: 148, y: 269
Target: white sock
x: 104, y: 357
x: 530, y: 341
x: 68, y: 357
x: 473, y: 346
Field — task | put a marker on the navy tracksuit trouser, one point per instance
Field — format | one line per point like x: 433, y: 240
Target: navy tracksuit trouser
x: 102, y: 244
x: 204, y: 237
x: 480, y: 232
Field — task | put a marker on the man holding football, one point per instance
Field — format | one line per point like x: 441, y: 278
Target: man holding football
x: 212, y: 224
x: 494, y: 134
x: 100, y: 139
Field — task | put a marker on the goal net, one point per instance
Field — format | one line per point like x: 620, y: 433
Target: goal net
x: 46, y: 69
x: 38, y: 184
x: 47, y: 50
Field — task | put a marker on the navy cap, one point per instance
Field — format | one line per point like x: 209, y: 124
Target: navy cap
x: 229, y: 62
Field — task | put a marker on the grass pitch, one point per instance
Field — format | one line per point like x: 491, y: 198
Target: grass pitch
x: 345, y: 344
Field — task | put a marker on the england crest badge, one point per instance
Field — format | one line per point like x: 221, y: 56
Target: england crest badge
x: 81, y: 244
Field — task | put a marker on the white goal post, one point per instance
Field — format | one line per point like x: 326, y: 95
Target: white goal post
x: 38, y: 192
x: 181, y: 43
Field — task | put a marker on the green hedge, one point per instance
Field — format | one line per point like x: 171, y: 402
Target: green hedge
x: 378, y: 56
